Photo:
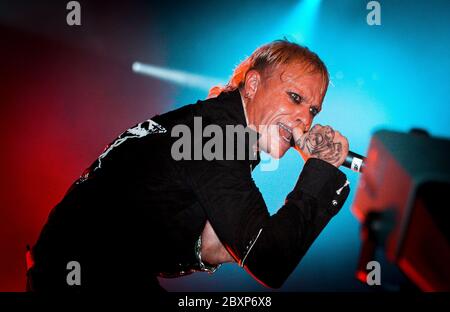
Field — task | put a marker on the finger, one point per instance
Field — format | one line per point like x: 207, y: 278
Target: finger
x: 316, y: 127
x: 340, y: 138
x: 299, y: 136
x: 297, y: 133
x: 329, y: 133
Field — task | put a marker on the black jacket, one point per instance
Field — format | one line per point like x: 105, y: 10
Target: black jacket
x: 137, y: 212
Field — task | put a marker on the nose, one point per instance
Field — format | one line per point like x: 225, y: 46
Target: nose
x: 303, y: 116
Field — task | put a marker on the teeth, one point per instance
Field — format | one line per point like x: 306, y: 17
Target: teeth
x: 287, y: 129
x: 286, y: 139
x: 282, y: 125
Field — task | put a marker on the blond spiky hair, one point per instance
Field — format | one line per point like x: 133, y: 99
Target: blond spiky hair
x: 268, y: 57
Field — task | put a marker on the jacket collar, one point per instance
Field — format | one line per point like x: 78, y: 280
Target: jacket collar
x: 230, y: 111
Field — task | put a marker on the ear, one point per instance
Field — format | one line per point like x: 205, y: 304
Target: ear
x: 252, y: 82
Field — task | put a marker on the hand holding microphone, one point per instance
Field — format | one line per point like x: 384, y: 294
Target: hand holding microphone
x: 323, y: 142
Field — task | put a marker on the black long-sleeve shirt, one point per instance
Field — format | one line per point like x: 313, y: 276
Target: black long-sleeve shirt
x: 140, y: 206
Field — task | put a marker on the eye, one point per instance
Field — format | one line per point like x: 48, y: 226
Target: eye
x: 313, y: 110
x: 296, y: 98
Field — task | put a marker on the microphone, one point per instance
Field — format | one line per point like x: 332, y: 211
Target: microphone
x: 355, y: 161
x: 352, y: 161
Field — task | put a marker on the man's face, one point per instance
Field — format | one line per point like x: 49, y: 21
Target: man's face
x: 285, y: 99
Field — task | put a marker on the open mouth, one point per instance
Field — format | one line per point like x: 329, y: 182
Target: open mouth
x: 285, y: 132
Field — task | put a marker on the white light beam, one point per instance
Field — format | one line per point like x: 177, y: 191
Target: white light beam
x: 177, y: 76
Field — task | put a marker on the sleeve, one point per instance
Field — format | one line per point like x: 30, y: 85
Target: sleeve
x: 268, y: 247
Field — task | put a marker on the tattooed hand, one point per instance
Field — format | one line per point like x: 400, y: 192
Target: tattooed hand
x: 322, y: 142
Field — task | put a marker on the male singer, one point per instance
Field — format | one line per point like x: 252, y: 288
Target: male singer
x: 140, y: 211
